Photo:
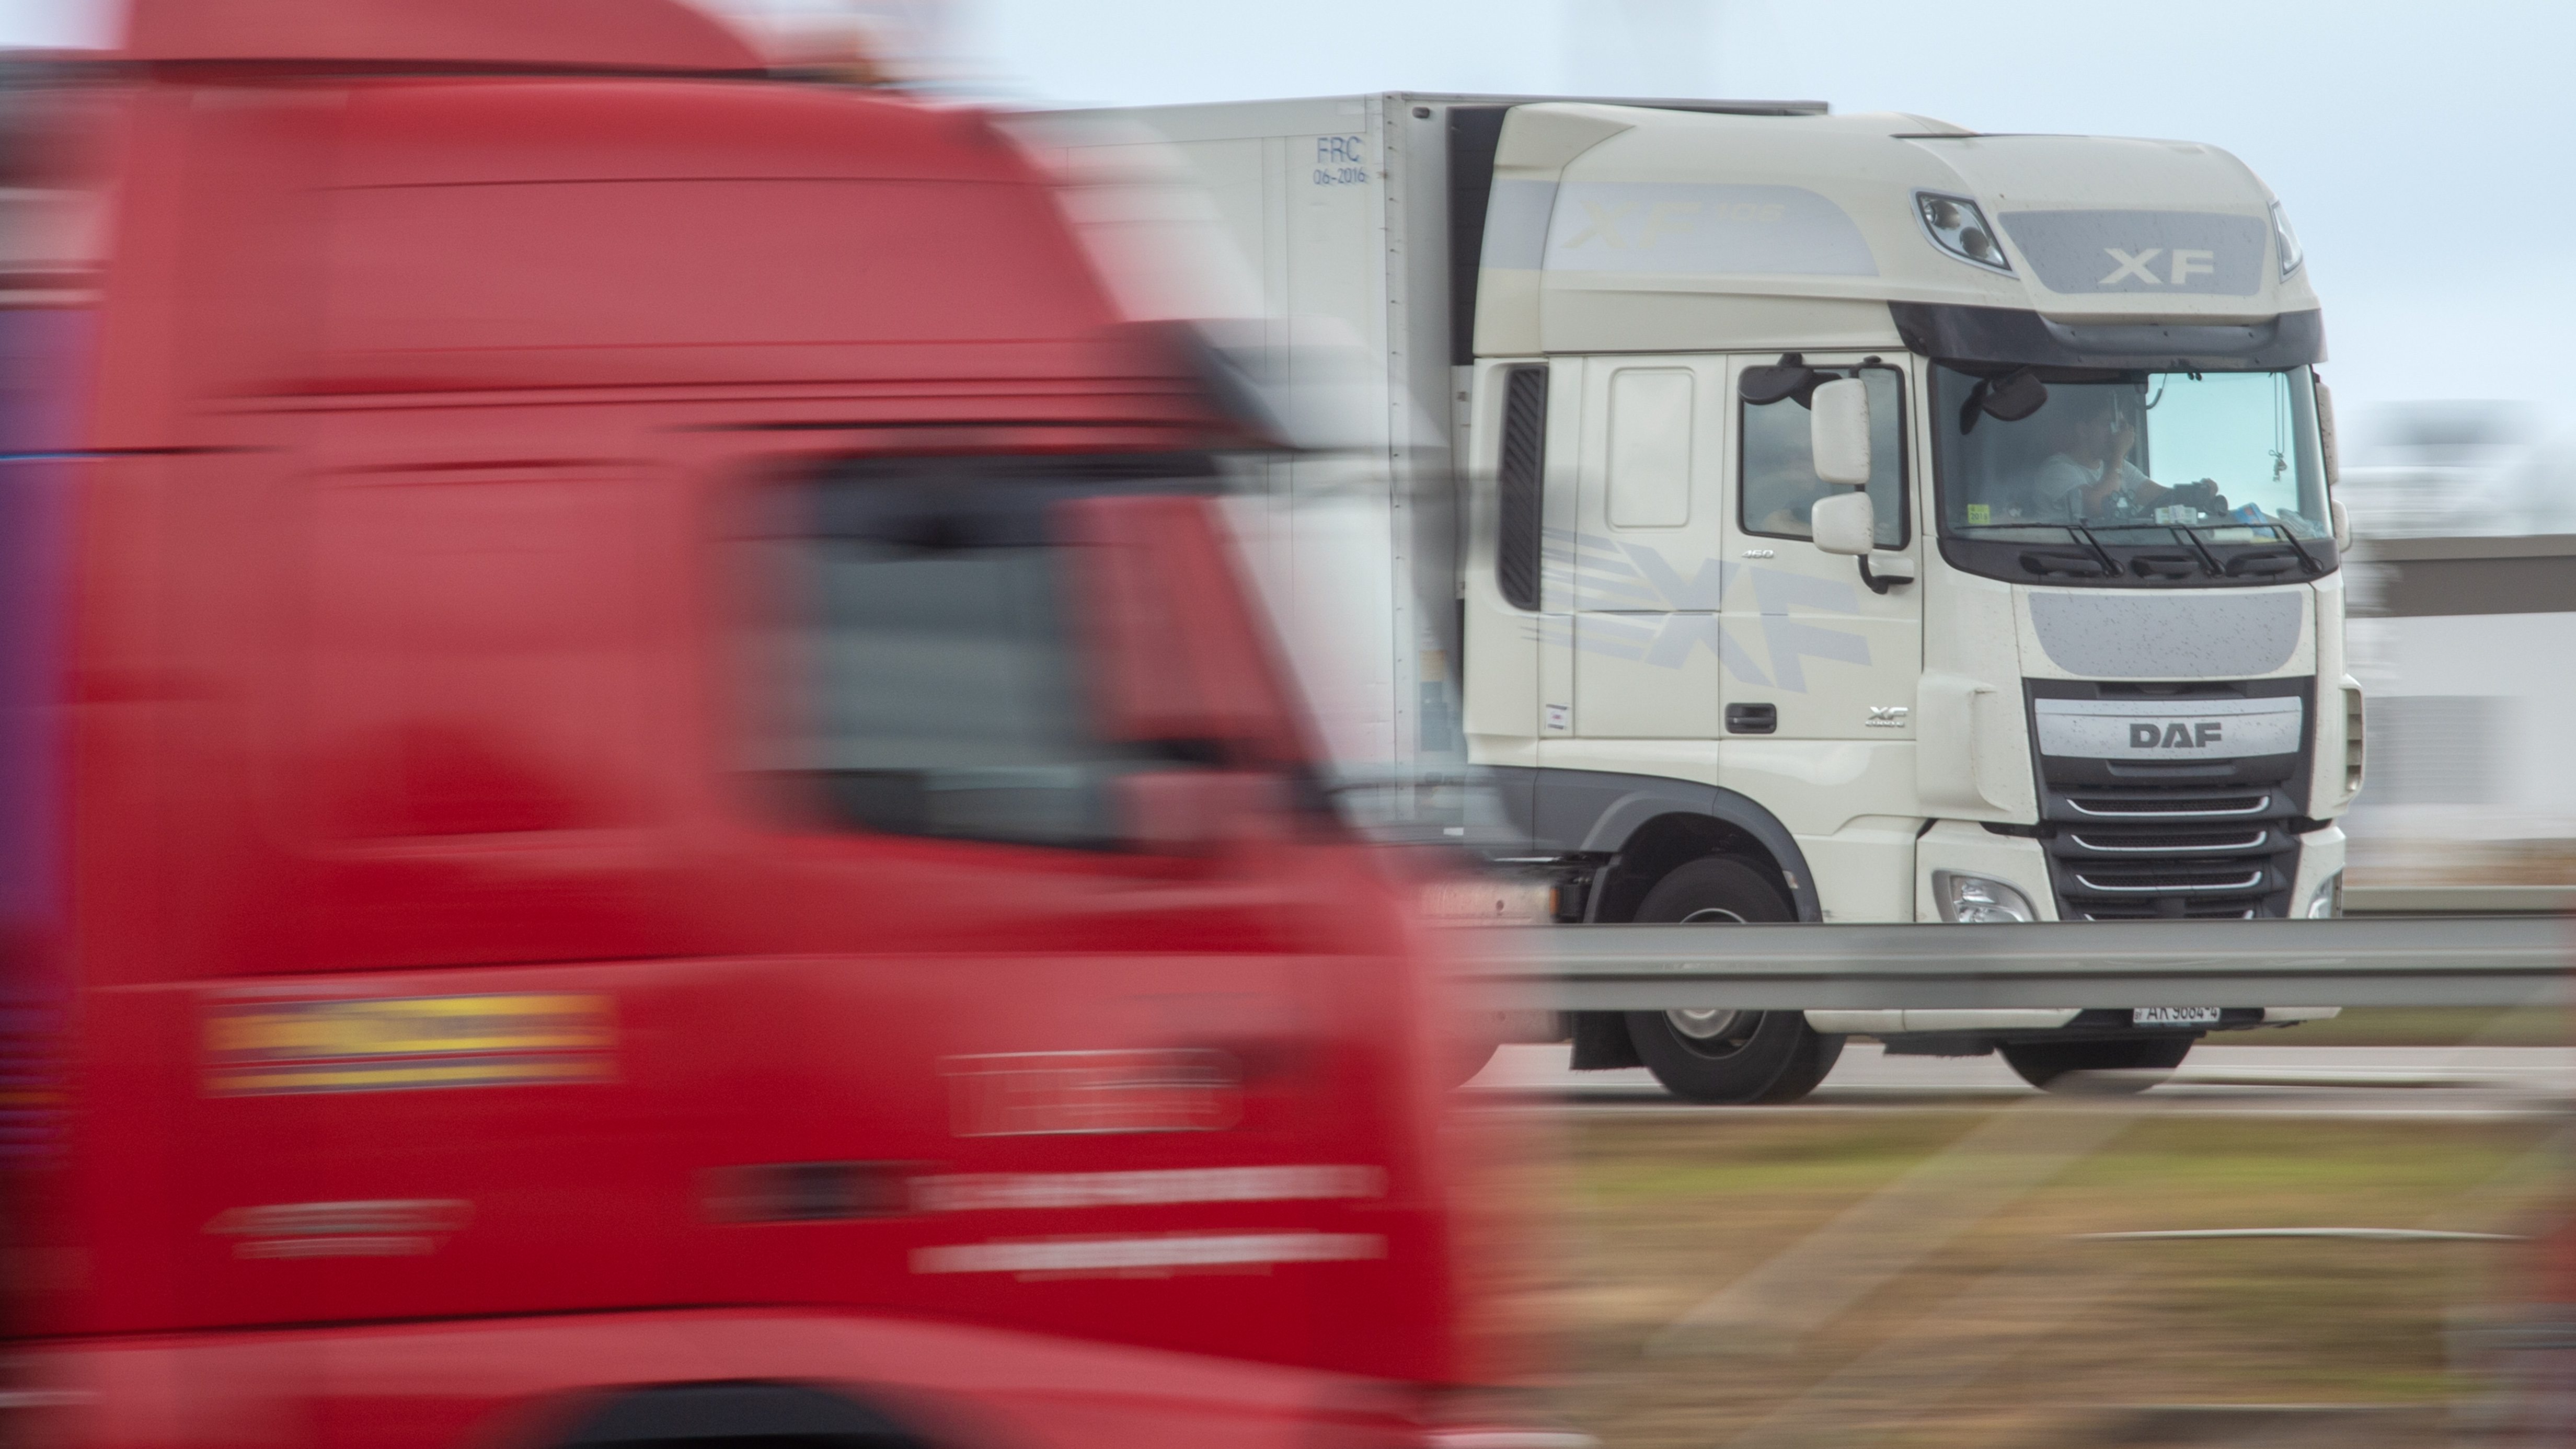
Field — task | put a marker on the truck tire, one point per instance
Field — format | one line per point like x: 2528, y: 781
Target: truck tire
x: 1727, y: 1056
x: 2047, y: 1065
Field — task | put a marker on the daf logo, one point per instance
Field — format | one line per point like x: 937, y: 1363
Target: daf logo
x: 2175, y: 736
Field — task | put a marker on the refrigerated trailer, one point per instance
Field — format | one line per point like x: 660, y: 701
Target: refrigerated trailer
x: 1825, y: 518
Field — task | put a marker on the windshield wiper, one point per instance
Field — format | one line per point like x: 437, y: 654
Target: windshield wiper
x: 2308, y: 563
x: 2085, y: 536
x: 2191, y: 535
x: 2208, y: 561
x: 2314, y: 564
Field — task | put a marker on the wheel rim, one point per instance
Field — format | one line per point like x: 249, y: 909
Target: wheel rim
x: 1714, y: 1031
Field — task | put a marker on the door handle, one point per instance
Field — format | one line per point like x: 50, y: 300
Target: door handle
x: 1752, y: 719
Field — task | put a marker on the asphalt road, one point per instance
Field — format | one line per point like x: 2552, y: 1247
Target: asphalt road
x: 2278, y: 1081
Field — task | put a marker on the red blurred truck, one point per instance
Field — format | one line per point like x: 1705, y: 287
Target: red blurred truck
x: 638, y: 800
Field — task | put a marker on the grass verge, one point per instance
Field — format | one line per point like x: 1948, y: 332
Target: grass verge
x: 1981, y: 1315
x: 2426, y: 1026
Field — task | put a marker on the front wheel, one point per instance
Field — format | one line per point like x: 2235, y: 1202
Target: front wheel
x: 2057, y: 1066
x: 1718, y: 1055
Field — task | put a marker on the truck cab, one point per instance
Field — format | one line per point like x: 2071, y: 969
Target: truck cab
x: 1857, y: 518
x: 643, y: 798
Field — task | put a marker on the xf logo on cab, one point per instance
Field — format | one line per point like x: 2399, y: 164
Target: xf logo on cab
x: 2175, y: 736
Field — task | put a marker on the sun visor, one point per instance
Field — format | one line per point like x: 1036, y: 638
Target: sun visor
x: 549, y: 35
x: 2008, y: 337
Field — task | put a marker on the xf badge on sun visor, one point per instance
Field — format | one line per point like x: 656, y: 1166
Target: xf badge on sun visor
x: 2155, y: 252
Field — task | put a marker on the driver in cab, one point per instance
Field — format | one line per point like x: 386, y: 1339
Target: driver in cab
x: 2090, y: 475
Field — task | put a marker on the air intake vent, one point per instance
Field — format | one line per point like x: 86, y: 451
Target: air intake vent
x: 2169, y: 842
x: 1522, y: 479
x: 2150, y: 911
x: 2168, y: 806
x: 2176, y: 879
x: 2176, y: 853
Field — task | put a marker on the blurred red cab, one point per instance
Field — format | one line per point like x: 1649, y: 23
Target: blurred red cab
x: 639, y: 795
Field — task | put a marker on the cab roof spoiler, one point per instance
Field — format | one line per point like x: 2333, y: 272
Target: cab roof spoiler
x: 655, y: 36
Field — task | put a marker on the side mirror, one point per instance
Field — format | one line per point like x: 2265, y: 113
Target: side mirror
x: 2326, y: 438
x: 2333, y: 468
x: 1838, y: 433
x: 1846, y: 523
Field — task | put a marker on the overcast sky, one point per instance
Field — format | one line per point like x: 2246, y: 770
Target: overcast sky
x: 2420, y: 149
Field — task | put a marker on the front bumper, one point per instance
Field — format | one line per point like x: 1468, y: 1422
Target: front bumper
x: 2022, y: 863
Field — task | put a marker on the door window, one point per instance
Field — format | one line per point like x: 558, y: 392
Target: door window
x: 919, y: 631
x: 1779, y: 473
x: 1650, y: 447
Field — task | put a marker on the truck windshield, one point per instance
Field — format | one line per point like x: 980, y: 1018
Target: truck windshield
x: 2143, y: 479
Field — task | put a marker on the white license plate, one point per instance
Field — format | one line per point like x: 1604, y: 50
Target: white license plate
x: 2174, y: 1016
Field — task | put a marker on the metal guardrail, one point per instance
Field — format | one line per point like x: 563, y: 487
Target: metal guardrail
x: 2458, y: 900
x: 2454, y: 961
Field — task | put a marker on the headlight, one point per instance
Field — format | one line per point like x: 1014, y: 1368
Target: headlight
x: 2291, y: 256
x: 2327, y: 903
x: 1974, y: 900
x: 1956, y: 226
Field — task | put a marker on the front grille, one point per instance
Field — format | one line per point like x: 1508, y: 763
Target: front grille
x: 2133, y: 842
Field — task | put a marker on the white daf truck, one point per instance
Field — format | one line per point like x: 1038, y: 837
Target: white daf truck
x: 1814, y: 517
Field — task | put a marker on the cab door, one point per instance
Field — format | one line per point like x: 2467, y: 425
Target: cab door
x: 1646, y: 563
x: 1817, y: 653
x: 1037, y: 1032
